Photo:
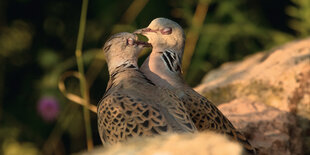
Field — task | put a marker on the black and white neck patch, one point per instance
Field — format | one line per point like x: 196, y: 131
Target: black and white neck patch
x: 171, y: 60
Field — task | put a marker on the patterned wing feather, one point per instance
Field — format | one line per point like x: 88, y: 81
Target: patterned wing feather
x: 121, y: 116
x: 176, y: 108
x: 206, y: 115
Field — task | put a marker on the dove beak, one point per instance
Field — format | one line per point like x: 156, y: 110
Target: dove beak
x: 141, y: 40
x: 139, y: 31
x: 143, y: 44
x: 143, y: 31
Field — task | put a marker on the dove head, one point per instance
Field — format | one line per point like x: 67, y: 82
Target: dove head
x: 164, y: 33
x: 122, y: 49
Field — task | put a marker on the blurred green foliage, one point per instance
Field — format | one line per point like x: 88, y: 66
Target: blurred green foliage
x: 301, y: 13
x: 38, y: 39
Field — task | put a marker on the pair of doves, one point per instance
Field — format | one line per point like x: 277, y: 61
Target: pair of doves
x: 154, y: 99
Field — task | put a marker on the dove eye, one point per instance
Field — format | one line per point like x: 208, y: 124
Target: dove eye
x: 107, y: 48
x: 130, y: 41
x: 166, y: 31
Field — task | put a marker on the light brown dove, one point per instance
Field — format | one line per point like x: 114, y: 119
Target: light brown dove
x: 132, y: 105
x: 163, y: 68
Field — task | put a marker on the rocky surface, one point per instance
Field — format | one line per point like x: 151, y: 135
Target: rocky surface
x: 267, y: 95
x: 269, y: 129
x: 205, y: 143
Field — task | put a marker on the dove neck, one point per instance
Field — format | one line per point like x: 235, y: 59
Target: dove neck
x: 129, y: 64
x: 155, y: 70
x: 128, y: 72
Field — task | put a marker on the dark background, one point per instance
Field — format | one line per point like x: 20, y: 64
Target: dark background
x: 38, y: 41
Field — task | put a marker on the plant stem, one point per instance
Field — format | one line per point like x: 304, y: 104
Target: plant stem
x: 2, y: 78
x: 134, y: 9
x: 83, y: 84
x: 193, y: 33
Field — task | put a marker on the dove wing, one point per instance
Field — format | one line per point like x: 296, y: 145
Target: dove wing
x: 206, y: 115
x: 121, y: 116
x: 128, y: 113
x: 175, y: 110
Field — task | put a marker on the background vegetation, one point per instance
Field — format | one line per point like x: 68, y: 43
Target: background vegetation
x: 38, y: 40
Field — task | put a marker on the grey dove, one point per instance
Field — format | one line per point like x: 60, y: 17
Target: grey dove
x: 163, y: 68
x: 132, y: 105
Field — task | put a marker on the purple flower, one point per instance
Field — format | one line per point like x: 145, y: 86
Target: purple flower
x: 48, y: 108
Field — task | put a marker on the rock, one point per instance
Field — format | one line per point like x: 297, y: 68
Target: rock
x: 268, y: 129
x: 205, y: 143
x: 279, y: 78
